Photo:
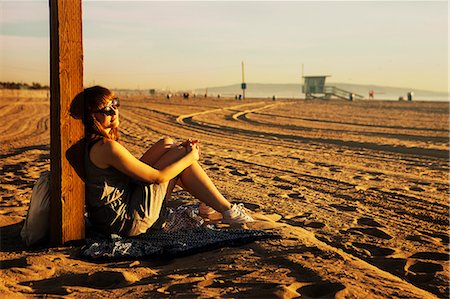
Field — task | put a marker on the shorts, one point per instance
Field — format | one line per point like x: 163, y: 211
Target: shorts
x: 147, y: 207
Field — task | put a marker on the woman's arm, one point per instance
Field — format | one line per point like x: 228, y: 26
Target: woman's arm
x: 112, y: 153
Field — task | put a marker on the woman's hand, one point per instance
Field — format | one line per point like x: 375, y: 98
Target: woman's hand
x: 193, y: 148
x: 188, y: 142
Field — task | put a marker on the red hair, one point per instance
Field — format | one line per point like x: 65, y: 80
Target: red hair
x: 95, y: 99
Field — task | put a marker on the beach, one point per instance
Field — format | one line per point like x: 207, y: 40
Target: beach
x: 356, y: 191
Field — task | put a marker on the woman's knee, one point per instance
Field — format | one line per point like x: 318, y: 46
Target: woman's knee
x: 166, y: 142
x: 173, y: 153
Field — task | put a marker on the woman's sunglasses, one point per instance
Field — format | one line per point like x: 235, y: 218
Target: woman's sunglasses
x: 109, y: 110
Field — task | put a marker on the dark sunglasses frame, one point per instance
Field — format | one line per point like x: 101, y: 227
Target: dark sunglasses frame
x: 109, y: 110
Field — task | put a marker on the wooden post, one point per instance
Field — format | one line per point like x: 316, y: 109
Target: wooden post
x: 243, y: 82
x: 67, y: 130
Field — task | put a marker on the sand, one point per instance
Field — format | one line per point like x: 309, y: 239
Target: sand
x: 357, y: 191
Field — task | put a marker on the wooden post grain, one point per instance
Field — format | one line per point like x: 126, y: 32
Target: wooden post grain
x: 67, y: 130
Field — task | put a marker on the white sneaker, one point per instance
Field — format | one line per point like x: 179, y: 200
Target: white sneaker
x: 236, y: 214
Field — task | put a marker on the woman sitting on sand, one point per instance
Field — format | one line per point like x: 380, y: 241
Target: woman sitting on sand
x: 126, y: 195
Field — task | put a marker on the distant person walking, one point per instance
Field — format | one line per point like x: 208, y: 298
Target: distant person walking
x: 410, y: 96
x: 371, y: 94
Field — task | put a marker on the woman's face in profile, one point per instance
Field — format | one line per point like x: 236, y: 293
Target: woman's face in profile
x: 108, y: 117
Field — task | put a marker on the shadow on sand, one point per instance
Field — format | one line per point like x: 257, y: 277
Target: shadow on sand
x: 10, y: 238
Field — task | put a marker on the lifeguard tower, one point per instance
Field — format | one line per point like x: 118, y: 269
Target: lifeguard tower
x: 314, y: 88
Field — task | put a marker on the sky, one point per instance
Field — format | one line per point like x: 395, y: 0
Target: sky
x: 189, y: 45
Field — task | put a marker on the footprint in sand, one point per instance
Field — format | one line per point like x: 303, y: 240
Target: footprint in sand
x: 314, y: 224
x: 436, y: 238
x: 377, y: 179
x: 368, y: 221
x: 335, y: 169
x: 424, y: 267
x: 416, y: 188
x: 59, y: 285
x: 238, y: 173
x: 323, y: 164
x: 372, y: 176
x: 110, y: 279
x: 345, y: 208
x: 393, y: 265
x: 234, y: 171
x: 283, y: 187
x: 281, y: 179
x: 212, y: 167
x: 208, y: 162
x: 423, y: 183
x: 424, y: 239
x: 300, y: 221
x: 420, y: 271
x: 430, y: 255
x: 371, y: 231
x: 296, y: 196
x: 247, y: 180
x: 322, y: 290
x: 375, y: 173
x: 248, y: 205
x: 374, y: 250
x: 442, y: 189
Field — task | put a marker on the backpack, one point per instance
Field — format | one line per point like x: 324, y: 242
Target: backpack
x: 36, y: 228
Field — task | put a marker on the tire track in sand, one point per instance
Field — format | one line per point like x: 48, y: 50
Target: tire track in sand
x: 380, y: 257
x: 180, y: 119
x: 24, y: 123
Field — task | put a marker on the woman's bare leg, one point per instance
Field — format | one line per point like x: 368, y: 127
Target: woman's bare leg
x: 156, y: 151
x: 198, y: 183
x: 195, y: 180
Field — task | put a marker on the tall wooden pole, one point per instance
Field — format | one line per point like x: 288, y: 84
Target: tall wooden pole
x: 67, y: 130
x: 243, y: 82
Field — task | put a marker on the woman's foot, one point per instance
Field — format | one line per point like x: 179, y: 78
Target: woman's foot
x: 208, y: 213
x: 236, y: 214
x: 205, y: 210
